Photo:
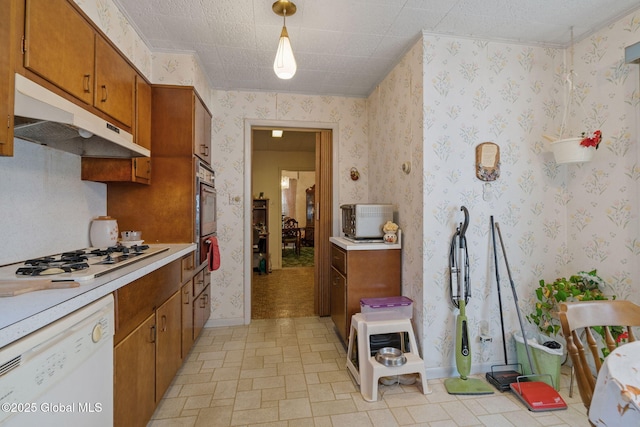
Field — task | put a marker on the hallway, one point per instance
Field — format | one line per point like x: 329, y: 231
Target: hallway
x: 284, y: 293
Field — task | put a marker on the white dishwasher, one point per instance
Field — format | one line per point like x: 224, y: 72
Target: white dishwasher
x: 62, y: 374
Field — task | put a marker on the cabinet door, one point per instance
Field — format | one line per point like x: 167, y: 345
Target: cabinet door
x: 339, y: 302
x: 117, y: 170
x: 135, y: 376
x: 168, y: 343
x: 142, y: 134
x: 114, y: 84
x: 202, y: 131
x: 187, y: 318
x: 60, y: 46
x: 201, y: 311
x: 7, y: 39
x: 142, y: 170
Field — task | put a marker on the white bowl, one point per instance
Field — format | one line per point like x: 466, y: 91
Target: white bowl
x: 129, y: 243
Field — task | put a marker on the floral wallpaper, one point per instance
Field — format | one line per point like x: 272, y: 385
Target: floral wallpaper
x: 483, y: 91
x: 602, y: 202
x: 446, y: 96
x: 230, y: 111
x: 555, y: 219
x: 395, y: 118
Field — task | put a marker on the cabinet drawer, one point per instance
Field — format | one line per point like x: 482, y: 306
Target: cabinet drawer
x: 339, y: 259
x: 198, y: 283
x: 187, y: 268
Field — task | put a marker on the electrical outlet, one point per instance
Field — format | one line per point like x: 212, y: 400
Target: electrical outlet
x: 484, y: 327
x: 484, y: 332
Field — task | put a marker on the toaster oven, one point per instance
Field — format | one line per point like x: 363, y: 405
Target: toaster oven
x: 365, y: 220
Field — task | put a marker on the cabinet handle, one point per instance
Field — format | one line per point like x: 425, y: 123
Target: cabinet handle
x: 105, y: 93
x: 203, y: 301
x: 204, y: 150
x: 164, y: 323
x: 85, y: 83
x: 153, y: 333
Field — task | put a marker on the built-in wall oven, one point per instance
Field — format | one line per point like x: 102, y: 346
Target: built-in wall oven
x: 206, y: 208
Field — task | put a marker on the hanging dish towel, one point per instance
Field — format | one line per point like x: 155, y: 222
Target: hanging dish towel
x: 214, y: 254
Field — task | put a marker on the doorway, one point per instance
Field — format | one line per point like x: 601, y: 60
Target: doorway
x: 305, y: 151
x: 297, y: 209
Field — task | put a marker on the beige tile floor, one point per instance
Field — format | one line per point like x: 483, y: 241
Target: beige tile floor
x: 291, y: 372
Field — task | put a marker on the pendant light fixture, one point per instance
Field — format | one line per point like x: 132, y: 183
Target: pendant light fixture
x: 285, y: 64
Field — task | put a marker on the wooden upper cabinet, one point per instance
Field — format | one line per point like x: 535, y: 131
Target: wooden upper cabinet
x: 142, y: 133
x: 136, y: 170
x: 202, y: 131
x: 181, y: 123
x: 8, y: 39
x: 64, y: 48
x: 114, y: 83
x: 60, y: 46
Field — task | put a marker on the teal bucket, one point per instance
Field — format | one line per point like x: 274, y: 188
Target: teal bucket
x: 546, y: 361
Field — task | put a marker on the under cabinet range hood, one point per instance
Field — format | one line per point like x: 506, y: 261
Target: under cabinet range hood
x: 46, y: 118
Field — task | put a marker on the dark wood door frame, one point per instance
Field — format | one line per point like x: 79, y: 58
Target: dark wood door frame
x: 326, y: 218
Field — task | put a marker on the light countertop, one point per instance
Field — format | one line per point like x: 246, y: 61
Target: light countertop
x: 349, y: 245
x: 22, y: 314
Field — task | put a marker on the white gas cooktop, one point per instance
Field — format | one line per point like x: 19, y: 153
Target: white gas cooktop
x: 80, y: 265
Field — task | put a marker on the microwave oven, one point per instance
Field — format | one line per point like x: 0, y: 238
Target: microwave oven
x: 365, y: 220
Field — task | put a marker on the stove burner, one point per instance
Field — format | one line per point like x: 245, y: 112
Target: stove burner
x: 46, y: 269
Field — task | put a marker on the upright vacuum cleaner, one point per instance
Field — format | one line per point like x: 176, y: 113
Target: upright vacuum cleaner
x: 538, y: 396
x: 460, y: 294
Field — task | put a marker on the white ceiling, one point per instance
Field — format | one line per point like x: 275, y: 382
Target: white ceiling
x: 347, y: 47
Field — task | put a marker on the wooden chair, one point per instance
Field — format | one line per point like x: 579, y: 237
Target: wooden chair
x: 578, y: 319
x: 291, y: 234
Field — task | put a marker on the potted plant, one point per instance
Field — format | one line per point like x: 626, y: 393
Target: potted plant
x: 582, y: 286
x: 548, y: 346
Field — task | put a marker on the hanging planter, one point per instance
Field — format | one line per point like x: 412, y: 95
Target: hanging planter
x: 575, y: 150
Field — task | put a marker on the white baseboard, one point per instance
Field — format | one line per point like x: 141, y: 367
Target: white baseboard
x: 216, y: 323
x: 450, y: 372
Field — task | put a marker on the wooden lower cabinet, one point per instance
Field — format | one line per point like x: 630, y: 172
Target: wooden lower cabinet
x: 187, y: 318
x: 201, y: 311
x: 202, y: 303
x: 157, y: 321
x: 168, y: 343
x: 357, y: 274
x: 134, y: 376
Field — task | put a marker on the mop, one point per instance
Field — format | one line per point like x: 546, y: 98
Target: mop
x: 459, y: 273
x: 538, y: 396
x: 501, y: 378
